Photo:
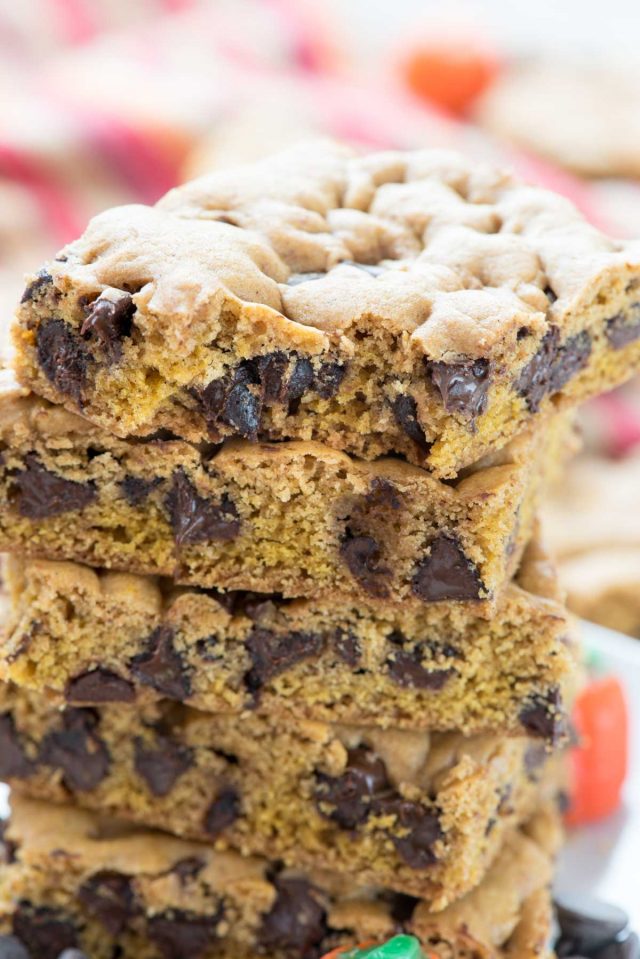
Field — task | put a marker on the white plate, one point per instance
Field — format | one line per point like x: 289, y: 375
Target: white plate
x: 603, y: 860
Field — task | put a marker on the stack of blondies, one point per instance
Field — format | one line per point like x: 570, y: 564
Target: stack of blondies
x: 285, y: 663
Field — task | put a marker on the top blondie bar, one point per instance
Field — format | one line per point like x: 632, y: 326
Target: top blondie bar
x: 412, y: 303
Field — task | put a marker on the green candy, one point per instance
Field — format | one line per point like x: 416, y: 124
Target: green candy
x: 400, y: 947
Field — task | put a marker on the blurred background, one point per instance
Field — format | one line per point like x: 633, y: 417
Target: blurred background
x: 115, y: 101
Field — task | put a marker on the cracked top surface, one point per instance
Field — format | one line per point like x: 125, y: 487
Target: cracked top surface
x: 453, y: 255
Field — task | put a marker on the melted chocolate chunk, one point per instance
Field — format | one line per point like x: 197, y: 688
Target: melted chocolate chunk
x: 382, y: 497
x: 296, y: 923
x: 223, y: 812
x: 109, y: 322
x: 162, y: 764
x: 624, y: 328
x: 446, y: 573
x: 77, y: 750
x: 543, y: 717
x: 329, y: 379
x: 13, y: 758
x: 41, y: 494
x: 362, y: 555
x: 63, y: 358
x: 195, y: 519
x: 463, y: 387
x: 42, y: 280
x: 243, y: 406
x: 273, y: 653
x: 421, y: 828
x: 300, y: 380
x: 352, y: 795
x: 405, y: 666
x: 347, y: 647
x: 45, y: 932
x: 99, y: 686
x: 405, y: 410
x: 108, y: 897
x: 162, y: 666
x: 136, y: 490
x: 12, y: 948
x: 272, y: 368
x: 552, y: 366
x: 179, y: 934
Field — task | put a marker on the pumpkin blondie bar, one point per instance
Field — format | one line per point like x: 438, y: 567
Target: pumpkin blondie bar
x: 414, y: 303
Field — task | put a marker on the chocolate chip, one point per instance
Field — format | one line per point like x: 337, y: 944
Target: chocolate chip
x: 300, y: 380
x: 99, y: 686
x: 42, y: 280
x: 136, y: 490
x: 402, y: 907
x: 109, y: 321
x: 243, y: 410
x: 381, y: 497
x: 362, y: 555
x: 347, y: 799
x: 13, y: 757
x: 179, y: 934
x: 10, y: 947
x: 195, y: 519
x: 446, y: 573
x: 162, y: 764
x: 63, y: 357
x: 108, y: 897
x: 44, y: 931
x: 296, y: 278
x: 462, y: 386
x: 420, y: 828
x: 272, y: 368
x: 406, y: 668
x: 347, y: 647
x: 543, y: 716
x: 588, y: 924
x: 77, y: 750
x: 223, y: 812
x: 162, y: 667
x: 273, y: 653
x: 329, y: 379
x: 405, y: 410
x: 296, y: 923
x: 624, y: 328
x: 550, y: 294
x: 42, y: 494
x: 552, y: 366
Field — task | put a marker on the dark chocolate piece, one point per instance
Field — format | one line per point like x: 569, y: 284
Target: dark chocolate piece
x: 347, y: 647
x: 108, y: 897
x: 162, y: 667
x: 329, y: 379
x: 63, y: 358
x: 405, y: 410
x: 348, y: 799
x: 362, y: 555
x: 41, y: 281
x: 446, y: 573
x: 77, y: 750
x: 161, y: 764
x: 552, y: 366
x: 223, y: 812
x: 179, y: 934
x: 13, y: 757
x: 273, y: 653
x: 543, y: 716
x: 195, y: 519
x: 136, y: 490
x: 44, y: 931
x: 109, y: 322
x: 463, y: 387
x: 624, y: 328
x: 41, y: 494
x: 99, y: 686
x: 296, y: 923
x: 420, y: 827
x: 405, y: 666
